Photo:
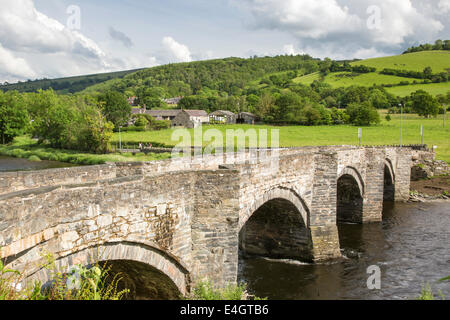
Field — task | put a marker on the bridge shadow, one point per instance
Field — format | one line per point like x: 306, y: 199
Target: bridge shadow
x: 143, y: 281
x: 276, y: 230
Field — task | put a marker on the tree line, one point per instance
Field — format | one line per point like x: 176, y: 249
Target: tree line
x: 74, y: 122
x: 438, y: 45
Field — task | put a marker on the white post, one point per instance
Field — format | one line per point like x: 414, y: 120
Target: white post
x: 421, y: 132
x: 360, y: 135
x: 401, y: 125
x: 120, y: 140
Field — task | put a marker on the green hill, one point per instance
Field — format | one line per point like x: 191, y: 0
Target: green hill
x: 65, y: 85
x: 439, y: 61
x: 221, y: 77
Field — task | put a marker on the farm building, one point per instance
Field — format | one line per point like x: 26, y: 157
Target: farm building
x: 190, y: 118
x: 247, y: 118
x: 222, y: 116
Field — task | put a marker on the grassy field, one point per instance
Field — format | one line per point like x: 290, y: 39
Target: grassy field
x: 439, y: 61
x: 432, y: 88
x: 294, y: 136
x: 347, y: 79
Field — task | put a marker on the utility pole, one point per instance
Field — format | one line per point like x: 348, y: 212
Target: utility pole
x: 401, y: 125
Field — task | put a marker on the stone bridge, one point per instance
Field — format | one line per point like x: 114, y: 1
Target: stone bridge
x: 166, y: 224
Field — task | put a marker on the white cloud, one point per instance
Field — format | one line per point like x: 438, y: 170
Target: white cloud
x: 174, y: 51
x: 444, y: 6
x: 290, y: 49
x: 44, y: 45
x: 330, y: 28
x: 12, y: 67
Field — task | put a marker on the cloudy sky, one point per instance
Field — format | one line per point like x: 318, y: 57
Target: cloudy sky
x: 56, y: 38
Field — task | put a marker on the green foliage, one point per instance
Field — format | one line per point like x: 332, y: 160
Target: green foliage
x: 14, y: 119
x: 204, y: 290
x: 115, y: 107
x: 34, y: 158
x: 64, y: 85
x: 424, y: 104
x: 80, y: 283
x: 363, y: 114
x: 438, y: 45
x: 70, y: 122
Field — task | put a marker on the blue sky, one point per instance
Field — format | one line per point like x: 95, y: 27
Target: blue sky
x: 36, y: 41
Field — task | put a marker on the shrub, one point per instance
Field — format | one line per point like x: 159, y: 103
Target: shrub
x: 34, y: 158
x: 204, y: 290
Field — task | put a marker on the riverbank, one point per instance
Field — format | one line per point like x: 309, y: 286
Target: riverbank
x: 27, y: 148
x: 431, y: 189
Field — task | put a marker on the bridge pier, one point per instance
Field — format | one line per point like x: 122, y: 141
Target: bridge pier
x: 372, y: 210
x: 323, y: 219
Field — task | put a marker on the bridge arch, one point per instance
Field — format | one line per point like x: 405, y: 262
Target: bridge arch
x: 151, y: 272
x: 350, y: 194
x: 277, y: 193
x: 277, y: 226
x: 389, y: 181
x: 351, y: 171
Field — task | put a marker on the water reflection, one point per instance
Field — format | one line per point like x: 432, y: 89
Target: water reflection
x: 17, y: 164
x: 410, y: 246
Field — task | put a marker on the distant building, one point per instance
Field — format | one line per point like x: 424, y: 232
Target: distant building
x: 190, y: 118
x: 132, y: 101
x: 223, y: 116
x: 247, y: 118
x: 163, y: 114
x: 172, y: 101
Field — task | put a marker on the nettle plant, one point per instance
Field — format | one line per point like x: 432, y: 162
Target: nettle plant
x: 79, y: 283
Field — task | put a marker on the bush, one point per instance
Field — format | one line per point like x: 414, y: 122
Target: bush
x: 34, y: 158
x: 204, y: 290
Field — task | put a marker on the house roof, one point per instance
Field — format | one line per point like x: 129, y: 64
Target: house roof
x: 196, y: 113
x: 248, y: 114
x: 223, y: 113
x: 137, y: 111
x: 163, y: 113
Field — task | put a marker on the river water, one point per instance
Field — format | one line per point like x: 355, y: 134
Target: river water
x: 410, y: 246
x: 16, y: 164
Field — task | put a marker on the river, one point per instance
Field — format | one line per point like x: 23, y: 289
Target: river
x: 17, y: 164
x: 410, y: 246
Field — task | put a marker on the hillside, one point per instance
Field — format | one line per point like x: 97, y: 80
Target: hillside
x: 65, y: 85
x: 439, y: 61
x: 220, y: 77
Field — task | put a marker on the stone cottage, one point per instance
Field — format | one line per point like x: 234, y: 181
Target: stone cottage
x: 223, y: 116
x: 190, y: 118
x: 247, y: 118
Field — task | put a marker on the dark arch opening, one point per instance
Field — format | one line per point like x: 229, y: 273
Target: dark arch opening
x: 349, y: 200
x: 276, y: 230
x: 389, y: 186
x: 144, y: 282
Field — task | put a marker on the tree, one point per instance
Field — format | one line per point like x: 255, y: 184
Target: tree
x: 424, y: 104
x: 13, y: 116
x: 363, y: 114
x: 115, y: 107
x: 428, y: 72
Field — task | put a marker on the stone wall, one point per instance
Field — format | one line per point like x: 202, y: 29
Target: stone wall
x: 186, y: 216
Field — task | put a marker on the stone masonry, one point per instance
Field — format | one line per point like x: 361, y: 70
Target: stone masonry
x: 186, y: 220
